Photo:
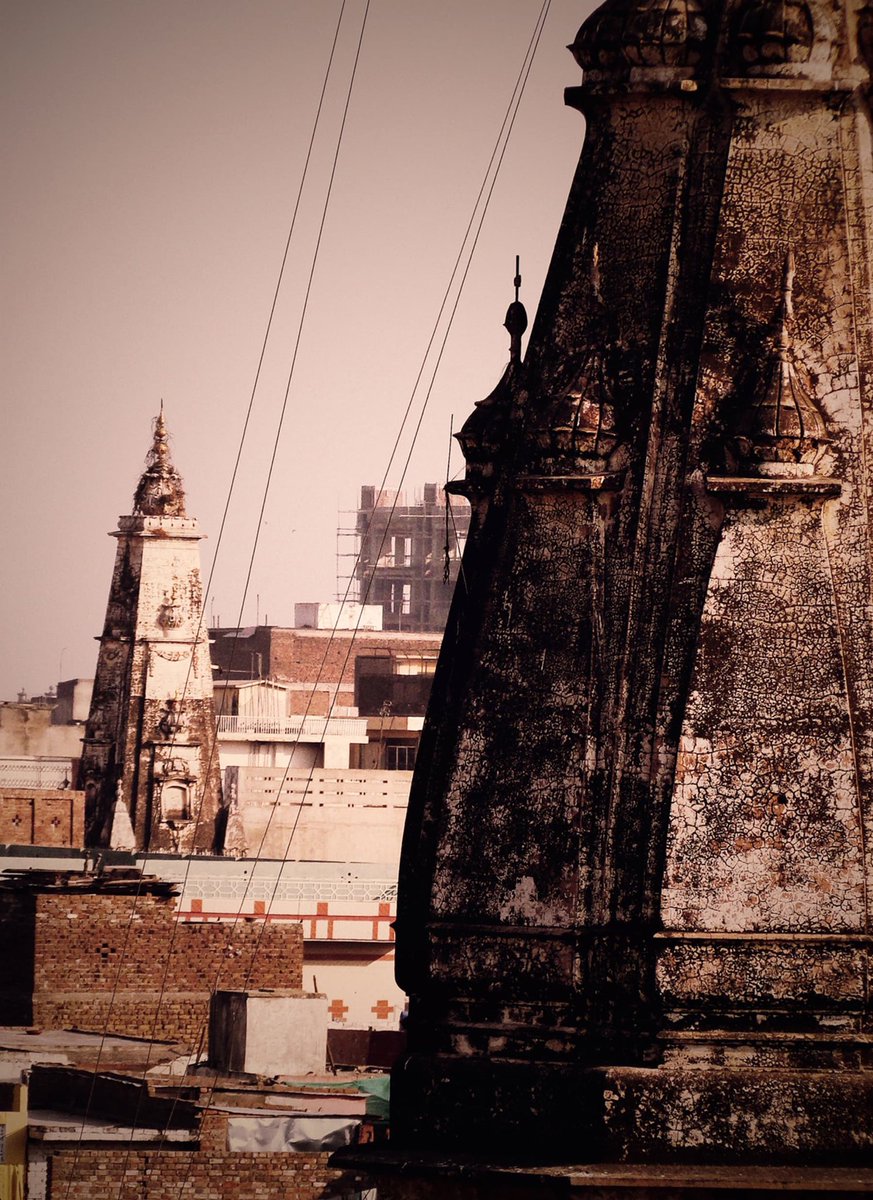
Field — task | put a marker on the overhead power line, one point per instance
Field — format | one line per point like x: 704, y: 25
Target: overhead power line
x: 466, y: 251
x: 229, y: 497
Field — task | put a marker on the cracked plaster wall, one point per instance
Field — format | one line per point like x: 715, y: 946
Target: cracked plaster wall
x: 764, y: 830
x: 640, y: 824
x: 154, y: 649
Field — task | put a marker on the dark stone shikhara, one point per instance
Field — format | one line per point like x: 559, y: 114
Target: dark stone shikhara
x: 150, y: 765
x: 634, y: 913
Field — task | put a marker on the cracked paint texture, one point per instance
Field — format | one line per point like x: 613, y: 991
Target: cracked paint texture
x: 639, y: 836
x: 764, y: 829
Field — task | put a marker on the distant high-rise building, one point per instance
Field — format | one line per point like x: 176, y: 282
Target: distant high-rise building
x: 408, y: 555
x: 149, y: 766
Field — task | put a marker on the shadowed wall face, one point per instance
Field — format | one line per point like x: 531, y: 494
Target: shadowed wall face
x: 644, y: 784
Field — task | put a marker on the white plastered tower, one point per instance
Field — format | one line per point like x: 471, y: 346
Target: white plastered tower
x: 150, y: 762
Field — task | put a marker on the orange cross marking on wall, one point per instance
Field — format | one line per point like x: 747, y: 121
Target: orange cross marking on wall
x: 337, y: 1010
x: 378, y: 922
x: 382, y: 1009
x: 321, y: 910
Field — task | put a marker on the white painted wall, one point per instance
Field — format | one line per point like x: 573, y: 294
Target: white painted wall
x: 268, y: 755
x: 324, y: 815
x: 358, y: 985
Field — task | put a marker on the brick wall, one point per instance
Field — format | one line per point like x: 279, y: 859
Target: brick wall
x: 209, y: 1172
x: 307, y: 656
x: 42, y: 817
x: 77, y: 947
x: 298, y: 655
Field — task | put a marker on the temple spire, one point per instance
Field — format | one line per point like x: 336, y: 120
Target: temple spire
x: 148, y: 767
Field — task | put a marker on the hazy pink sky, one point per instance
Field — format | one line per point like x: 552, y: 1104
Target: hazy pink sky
x: 151, y: 156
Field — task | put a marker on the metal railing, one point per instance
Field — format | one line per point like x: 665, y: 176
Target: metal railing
x: 36, y: 773
x: 308, y: 729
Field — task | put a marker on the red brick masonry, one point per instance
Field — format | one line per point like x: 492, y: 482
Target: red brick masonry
x: 67, y: 951
x: 208, y: 1172
x: 42, y: 817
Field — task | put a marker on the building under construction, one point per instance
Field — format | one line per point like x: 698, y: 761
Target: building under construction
x: 404, y: 556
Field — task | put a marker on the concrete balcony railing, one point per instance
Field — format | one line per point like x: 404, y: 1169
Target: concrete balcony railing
x: 320, y: 788
x: 304, y: 729
x: 37, y: 772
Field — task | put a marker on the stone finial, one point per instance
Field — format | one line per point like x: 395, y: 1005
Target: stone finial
x: 483, y: 433
x: 159, y: 492
x: 121, y: 836
x: 516, y: 319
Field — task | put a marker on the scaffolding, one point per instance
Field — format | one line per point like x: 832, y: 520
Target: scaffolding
x: 394, y: 549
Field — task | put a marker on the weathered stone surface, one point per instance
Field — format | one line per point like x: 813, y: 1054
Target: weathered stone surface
x: 433, y: 1177
x: 813, y: 975
x: 150, y: 736
x: 764, y: 828
x: 548, y: 1112
x: 677, y: 1114
x: 639, y: 836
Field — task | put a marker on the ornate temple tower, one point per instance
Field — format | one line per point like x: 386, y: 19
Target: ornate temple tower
x: 634, y: 914
x: 149, y: 762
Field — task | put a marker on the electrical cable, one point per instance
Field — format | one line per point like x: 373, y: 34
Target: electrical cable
x: 301, y: 324
x: 278, y: 431
x: 462, y: 575
x: 526, y: 71
x: 513, y: 109
x: 447, y: 562
x: 196, y: 639
x: 514, y: 104
x: 282, y: 415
